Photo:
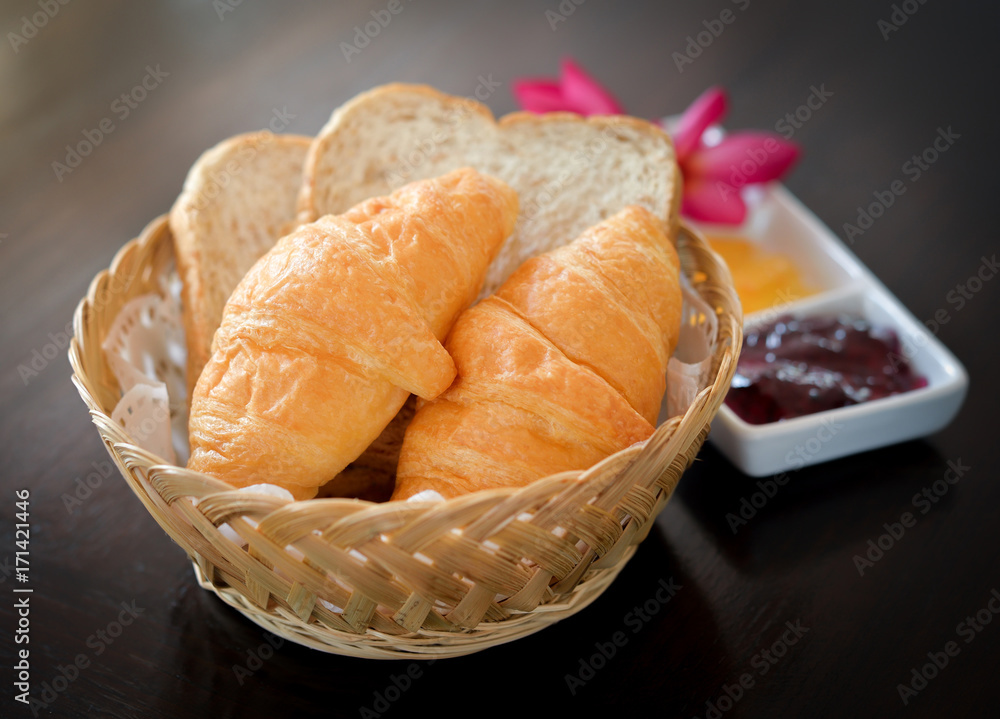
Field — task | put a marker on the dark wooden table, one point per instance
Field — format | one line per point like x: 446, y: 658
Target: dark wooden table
x: 779, y: 604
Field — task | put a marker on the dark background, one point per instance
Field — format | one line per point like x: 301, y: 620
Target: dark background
x: 792, y: 563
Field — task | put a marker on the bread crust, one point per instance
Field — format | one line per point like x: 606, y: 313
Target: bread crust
x: 238, y: 199
x: 570, y: 172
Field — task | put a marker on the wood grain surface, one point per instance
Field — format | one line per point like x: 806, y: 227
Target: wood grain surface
x: 118, y: 626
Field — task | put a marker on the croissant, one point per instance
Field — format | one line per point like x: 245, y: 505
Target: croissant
x: 327, y: 335
x: 564, y: 365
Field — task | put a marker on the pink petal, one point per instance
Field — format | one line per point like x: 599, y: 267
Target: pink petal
x: 712, y: 201
x: 540, y: 96
x: 707, y: 109
x: 744, y: 158
x: 585, y: 93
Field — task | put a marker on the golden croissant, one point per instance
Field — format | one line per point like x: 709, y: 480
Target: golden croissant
x: 327, y: 335
x: 563, y: 366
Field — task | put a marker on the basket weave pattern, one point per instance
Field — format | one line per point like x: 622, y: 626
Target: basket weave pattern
x: 412, y: 579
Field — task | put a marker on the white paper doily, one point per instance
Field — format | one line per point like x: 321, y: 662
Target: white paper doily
x: 146, y: 352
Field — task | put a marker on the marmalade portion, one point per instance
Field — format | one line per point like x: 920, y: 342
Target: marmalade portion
x: 762, y: 279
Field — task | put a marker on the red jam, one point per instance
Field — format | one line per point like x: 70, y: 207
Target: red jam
x: 798, y: 366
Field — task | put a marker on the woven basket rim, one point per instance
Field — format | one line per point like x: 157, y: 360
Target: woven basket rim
x: 609, y: 508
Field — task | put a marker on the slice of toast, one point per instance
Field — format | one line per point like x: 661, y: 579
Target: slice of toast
x: 570, y: 172
x: 238, y: 199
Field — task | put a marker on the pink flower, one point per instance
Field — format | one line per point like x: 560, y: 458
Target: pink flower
x: 574, y: 91
x: 714, y: 175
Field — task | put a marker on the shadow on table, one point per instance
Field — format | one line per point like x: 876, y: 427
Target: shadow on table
x: 653, y: 615
x: 820, y: 509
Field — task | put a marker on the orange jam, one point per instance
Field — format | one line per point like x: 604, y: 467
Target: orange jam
x: 762, y: 279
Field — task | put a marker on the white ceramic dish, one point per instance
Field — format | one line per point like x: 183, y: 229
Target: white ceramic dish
x: 779, y: 222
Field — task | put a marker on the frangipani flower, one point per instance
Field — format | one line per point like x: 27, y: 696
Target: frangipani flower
x: 574, y: 91
x: 714, y: 175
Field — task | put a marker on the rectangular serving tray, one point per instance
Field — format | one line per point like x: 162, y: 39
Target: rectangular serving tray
x: 779, y: 222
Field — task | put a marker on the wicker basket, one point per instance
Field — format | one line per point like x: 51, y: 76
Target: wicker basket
x: 413, y: 580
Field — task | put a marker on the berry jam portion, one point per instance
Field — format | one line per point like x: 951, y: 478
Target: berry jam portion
x: 797, y: 366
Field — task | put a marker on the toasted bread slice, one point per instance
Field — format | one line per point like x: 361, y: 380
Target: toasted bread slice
x: 238, y: 199
x: 570, y: 172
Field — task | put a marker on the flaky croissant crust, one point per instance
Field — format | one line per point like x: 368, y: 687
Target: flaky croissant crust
x: 563, y: 366
x: 329, y: 333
